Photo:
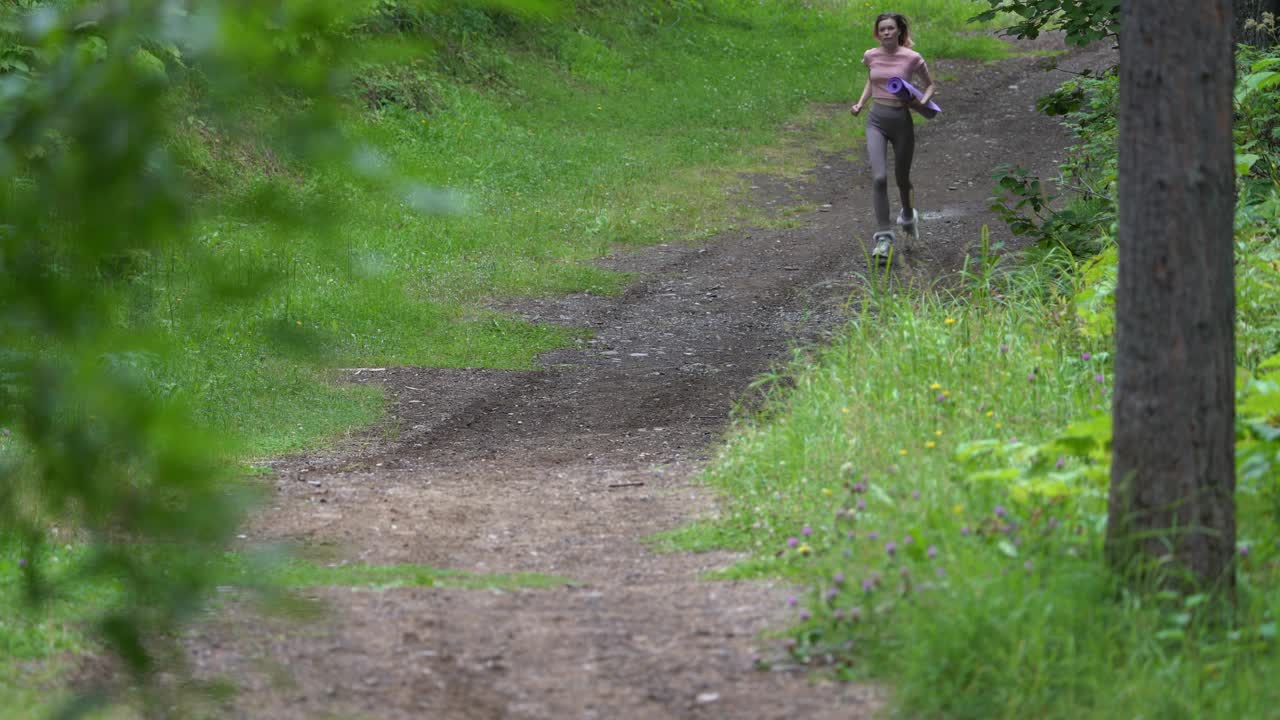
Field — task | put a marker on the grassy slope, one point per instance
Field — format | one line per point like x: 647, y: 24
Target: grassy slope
x: 601, y: 132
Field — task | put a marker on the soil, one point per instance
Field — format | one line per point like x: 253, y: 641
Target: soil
x: 568, y: 469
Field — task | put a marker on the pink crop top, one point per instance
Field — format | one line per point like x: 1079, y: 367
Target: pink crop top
x: 904, y: 63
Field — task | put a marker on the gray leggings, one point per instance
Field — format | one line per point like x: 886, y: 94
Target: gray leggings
x: 890, y: 125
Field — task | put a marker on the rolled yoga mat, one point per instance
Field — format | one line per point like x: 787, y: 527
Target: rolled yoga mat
x: 905, y: 91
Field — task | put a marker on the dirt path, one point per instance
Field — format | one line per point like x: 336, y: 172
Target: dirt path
x: 566, y: 470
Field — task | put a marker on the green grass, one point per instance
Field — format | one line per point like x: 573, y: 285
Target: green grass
x: 601, y: 132
x: 977, y: 592
x: 38, y: 646
x: 300, y: 573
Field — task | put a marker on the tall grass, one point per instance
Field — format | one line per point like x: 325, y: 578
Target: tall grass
x: 973, y: 592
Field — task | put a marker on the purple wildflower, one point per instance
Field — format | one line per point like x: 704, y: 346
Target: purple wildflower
x: 933, y: 552
x: 942, y: 397
x: 1031, y: 377
x: 1085, y: 356
x: 22, y: 562
x: 1004, y: 348
x: 1000, y: 511
x: 1244, y: 551
x: 1100, y: 378
x: 941, y: 572
x: 1028, y: 566
x: 791, y: 601
x: 891, y: 547
x: 908, y: 540
x: 792, y: 542
x: 868, y: 585
x: 965, y: 531
x: 807, y: 531
x: 862, y: 504
x: 860, y: 487
x: 1062, y: 462
x: 838, y: 614
x: 838, y: 579
x: 832, y: 594
x: 915, y: 494
x: 855, y: 614
x: 873, y: 536
x: 804, y: 615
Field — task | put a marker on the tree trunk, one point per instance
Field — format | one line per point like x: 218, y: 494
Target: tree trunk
x: 1173, y: 466
x: 1247, y: 10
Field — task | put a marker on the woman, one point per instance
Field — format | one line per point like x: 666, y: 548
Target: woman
x: 889, y: 123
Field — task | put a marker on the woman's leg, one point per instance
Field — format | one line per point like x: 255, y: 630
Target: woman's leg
x: 904, y: 149
x: 878, y: 153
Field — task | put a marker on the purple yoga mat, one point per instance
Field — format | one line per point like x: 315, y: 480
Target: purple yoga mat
x: 905, y: 91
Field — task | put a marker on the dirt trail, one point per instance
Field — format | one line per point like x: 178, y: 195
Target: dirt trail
x: 566, y: 470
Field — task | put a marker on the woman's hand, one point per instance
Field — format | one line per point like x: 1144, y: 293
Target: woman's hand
x: 857, y: 108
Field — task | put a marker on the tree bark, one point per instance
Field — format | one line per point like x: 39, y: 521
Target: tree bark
x: 1173, y: 466
x: 1246, y: 10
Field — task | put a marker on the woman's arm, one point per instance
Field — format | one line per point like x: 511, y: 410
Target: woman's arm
x: 929, y: 88
x: 866, y: 93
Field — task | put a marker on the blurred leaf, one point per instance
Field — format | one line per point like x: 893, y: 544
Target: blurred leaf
x: 1007, y: 547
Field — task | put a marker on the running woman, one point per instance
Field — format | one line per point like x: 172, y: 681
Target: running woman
x: 889, y: 123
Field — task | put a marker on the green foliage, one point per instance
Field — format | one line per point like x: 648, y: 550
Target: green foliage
x: 1083, y: 21
x: 1073, y: 465
x: 1095, y: 299
x: 1075, y: 230
x: 950, y: 536
x: 1258, y: 431
x: 92, y: 194
x: 1257, y: 120
x: 36, y: 642
x: 1257, y: 278
x: 1079, y: 218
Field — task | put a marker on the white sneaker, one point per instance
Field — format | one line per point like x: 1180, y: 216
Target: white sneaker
x: 910, y: 226
x: 884, y: 245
